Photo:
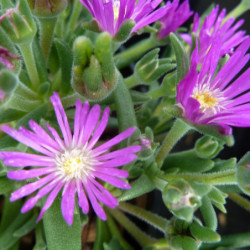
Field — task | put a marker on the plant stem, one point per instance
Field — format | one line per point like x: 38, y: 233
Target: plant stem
x: 30, y: 63
x: 152, y: 219
x: 244, y: 203
x: 133, y: 53
x: 131, y: 81
x: 239, y: 10
x: 219, y: 178
x: 178, y: 130
x: 124, y: 107
x: 47, y: 27
x: 77, y: 8
x: 142, y: 238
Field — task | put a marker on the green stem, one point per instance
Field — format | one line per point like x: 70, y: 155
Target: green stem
x: 124, y: 107
x: 30, y: 63
x: 58, y: 234
x: 133, y: 53
x: 152, y: 219
x: 116, y: 233
x: 142, y: 238
x: 220, y: 178
x: 178, y: 130
x: 77, y: 8
x: 47, y: 27
x: 244, y: 203
x: 239, y: 10
x: 131, y: 81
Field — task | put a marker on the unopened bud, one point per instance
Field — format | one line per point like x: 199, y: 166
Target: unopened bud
x: 181, y: 199
x: 19, y: 24
x: 207, y: 147
x: 47, y: 8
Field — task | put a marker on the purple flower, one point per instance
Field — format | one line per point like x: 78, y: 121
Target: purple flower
x: 110, y: 14
x: 174, y: 17
x: 213, y: 99
x: 213, y: 26
x: 73, y: 164
x: 5, y: 57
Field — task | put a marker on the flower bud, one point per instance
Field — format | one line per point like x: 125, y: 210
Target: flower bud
x: 181, y: 199
x: 7, y: 58
x: 94, y: 71
x: 207, y: 147
x: 124, y: 31
x: 19, y: 24
x: 47, y: 8
x: 150, y: 67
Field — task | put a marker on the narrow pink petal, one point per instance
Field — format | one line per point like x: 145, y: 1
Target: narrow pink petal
x: 91, y: 122
x: 99, y: 129
x: 82, y: 199
x: 103, y: 195
x: 113, y: 180
x: 120, y: 152
x: 41, y: 133
x: 96, y: 206
x: 61, y: 118
x: 56, y: 136
x: 29, y: 204
x: 68, y: 203
x: 113, y: 172
x: 27, y: 174
x: 117, y: 162
x: 50, y: 200
x: 104, y: 147
x: 77, y: 122
x: 31, y: 187
x: 17, y: 135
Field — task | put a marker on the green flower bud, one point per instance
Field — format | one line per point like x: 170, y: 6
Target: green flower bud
x: 124, y: 31
x: 47, y: 8
x: 83, y: 50
x: 19, y: 24
x: 181, y: 199
x: 207, y: 147
x: 94, y: 71
x: 150, y: 67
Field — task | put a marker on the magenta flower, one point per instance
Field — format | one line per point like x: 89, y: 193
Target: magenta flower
x: 213, y: 26
x: 174, y: 17
x: 210, y: 99
x: 110, y: 14
x: 73, y: 164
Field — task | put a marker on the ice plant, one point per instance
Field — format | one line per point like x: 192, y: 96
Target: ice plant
x: 212, y: 99
x: 73, y: 164
x: 6, y: 56
x: 213, y: 26
x: 110, y: 14
x: 174, y: 17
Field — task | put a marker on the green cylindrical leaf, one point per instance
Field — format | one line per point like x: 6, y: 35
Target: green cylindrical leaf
x: 209, y: 214
x: 59, y: 235
x: 203, y: 233
x: 182, y: 59
x: 124, y: 31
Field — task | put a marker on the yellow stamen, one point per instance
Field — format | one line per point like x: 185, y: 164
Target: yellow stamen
x: 116, y: 9
x: 206, y: 100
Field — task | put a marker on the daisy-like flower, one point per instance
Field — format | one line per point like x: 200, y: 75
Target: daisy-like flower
x: 174, y: 17
x: 72, y: 164
x: 213, y: 26
x: 212, y: 99
x: 110, y: 14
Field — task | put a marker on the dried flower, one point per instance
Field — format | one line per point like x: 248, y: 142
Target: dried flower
x: 71, y: 164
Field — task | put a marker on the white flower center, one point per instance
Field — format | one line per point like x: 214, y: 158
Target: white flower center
x: 116, y: 9
x: 211, y: 100
x: 75, y: 163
